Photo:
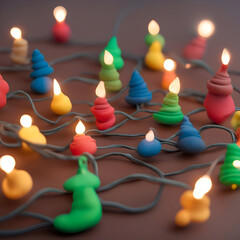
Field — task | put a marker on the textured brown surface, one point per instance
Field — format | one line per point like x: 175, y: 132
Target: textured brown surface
x: 94, y: 20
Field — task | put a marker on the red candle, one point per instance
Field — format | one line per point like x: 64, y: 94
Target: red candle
x: 61, y: 30
x: 102, y: 110
x: 169, y: 75
x: 4, y: 88
x: 82, y: 143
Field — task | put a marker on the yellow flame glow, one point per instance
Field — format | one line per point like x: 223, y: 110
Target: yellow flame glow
x: 80, y: 128
x: 7, y: 163
x: 60, y: 13
x: 108, y: 58
x: 100, y: 90
x: 149, y: 136
x: 26, y: 121
x: 236, y: 164
x: 206, y: 28
x: 174, y: 87
x: 56, y: 87
x: 225, y: 56
x: 169, y: 65
x: 202, y: 186
x: 16, y: 33
x: 153, y: 27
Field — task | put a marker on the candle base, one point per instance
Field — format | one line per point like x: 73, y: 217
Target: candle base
x: 61, y: 32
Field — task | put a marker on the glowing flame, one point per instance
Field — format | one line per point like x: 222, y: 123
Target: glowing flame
x: 188, y: 65
x: 56, y: 87
x: 202, y: 186
x: 100, y: 90
x: 108, y: 58
x: 225, y: 56
x: 26, y: 121
x: 16, y: 33
x: 206, y: 28
x: 236, y: 164
x: 80, y: 128
x: 153, y: 27
x: 169, y: 65
x: 149, y: 136
x: 60, y: 13
x: 174, y: 87
x: 7, y: 163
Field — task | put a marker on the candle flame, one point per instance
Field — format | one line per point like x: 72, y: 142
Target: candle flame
x: 16, y: 33
x: 100, y: 90
x: 26, y: 121
x: 60, y: 13
x: 80, y: 128
x: 56, y: 87
x: 206, y: 28
x: 188, y: 65
x: 108, y: 58
x: 236, y: 164
x: 7, y: 163
x: 149, y: 136
x: 174, y: 87
x: 169, y: 65
x: 202, y: 186
x: 153, y: 27
x: 225, y: 56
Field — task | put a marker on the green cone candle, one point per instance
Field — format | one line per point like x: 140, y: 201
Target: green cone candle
x: 170, y: 112
x: 109, y: 75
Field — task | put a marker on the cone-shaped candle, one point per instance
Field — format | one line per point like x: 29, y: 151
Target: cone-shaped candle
x: 113, y: 48
x: 4, y: 88
x: 235, y: 122
x: 169, y: 75
x: 19, y: 54
x: 138, y: 91
x: 195, y: 204
x: 17, y: 183
x: 218, y: 102
x: 189, y: 140
x: 30, y: 132
x: 153, y: 35
x: 109, y: 74
x: 230, y: 170
x: 149, y: 146
x: 86, y: 209
x: 82, y: 143
x: 196, y: 48
x: 170, y: 112
x: 41, y: 83
x: 60, y: 104
x: 154, y: 59
x: 61, y: 30
x: 102, y: 110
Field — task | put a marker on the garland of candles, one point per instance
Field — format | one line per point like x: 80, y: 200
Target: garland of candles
x: 195, y: 203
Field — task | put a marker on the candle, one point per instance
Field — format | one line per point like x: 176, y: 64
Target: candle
x: 60, y: 104
x: 17, y: 183
x: 109, y: 74
x: 138, y: 91
x: 169, y: 74
x: 82, y: 143
x: 4, y: 88
x: 19, y: 54
x: 218, y: 102
x: 149, y: 146
x: 196, y: 48
x: 195, y: 204
x: 153, y: 35
x: 61, y: 30
x: 170, y: 112
x: 235, y: 121
x: 102, y: 110
x: 30, y: 132
x: 86, y: 209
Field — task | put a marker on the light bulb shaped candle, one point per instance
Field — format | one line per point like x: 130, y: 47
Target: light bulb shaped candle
x: 19, y: 53
x: 60, y: 104
x: 153, y: 35
x: 17, y: 183
x: 61, y: 30
x: 218, y: 102
x: 149, y: 146
x: 169, y: 74
x: 170, y: 112
x: 30, y: 132
x: 82, y: 143
x: 195, y: 204
x: 196, y: 48
x: 102, y: 110
x: 109, y: 74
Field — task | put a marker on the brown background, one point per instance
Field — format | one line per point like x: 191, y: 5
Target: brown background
x: 94, y: 21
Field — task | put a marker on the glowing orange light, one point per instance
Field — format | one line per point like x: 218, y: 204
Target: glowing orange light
x: 149, y: 136
x: 108, y: 58
x: 60, y: 13
x: 202, y: 186
x: 225, y: 56
x: 153, y: 27
x: 174, y: 87
x: 100, y: 90
x: 169, y: 65
x: 26, y: 121
x: 56, y: 87
x: 80, y: 128
x: 206, y: 28
x: 7, y: 163
x: 16, y: 33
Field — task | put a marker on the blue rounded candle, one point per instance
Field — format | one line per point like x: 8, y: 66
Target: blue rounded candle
x: 149, y: 146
